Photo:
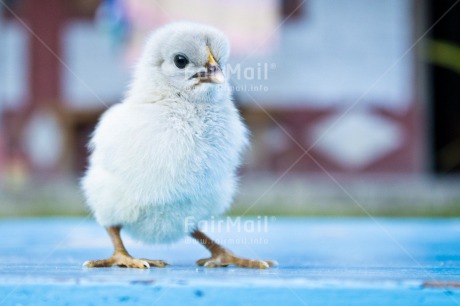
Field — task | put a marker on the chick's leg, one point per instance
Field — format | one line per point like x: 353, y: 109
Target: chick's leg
x: 221, y: 257
x: 121, y: 256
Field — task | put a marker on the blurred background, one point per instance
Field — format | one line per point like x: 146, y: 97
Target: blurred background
x: 354, y: 105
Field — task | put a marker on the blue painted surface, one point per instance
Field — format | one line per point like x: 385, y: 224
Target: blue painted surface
x: 322, y: 262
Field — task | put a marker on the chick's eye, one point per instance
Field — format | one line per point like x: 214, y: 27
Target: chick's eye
x: 180, y: 61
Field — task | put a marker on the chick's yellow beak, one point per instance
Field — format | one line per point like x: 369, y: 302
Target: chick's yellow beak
x: 214, y: 74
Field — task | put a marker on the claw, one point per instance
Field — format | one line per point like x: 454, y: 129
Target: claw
x: 263, y: 265
x: 86, y: 264
x: 146, y: 264
x: 210, y: 264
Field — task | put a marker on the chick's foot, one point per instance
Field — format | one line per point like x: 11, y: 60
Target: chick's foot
x: 226, y: 258
x: 221, y: 257
x: 125, y: 261
x: 121, y: 256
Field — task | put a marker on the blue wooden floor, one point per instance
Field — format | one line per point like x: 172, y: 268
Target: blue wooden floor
x: 321, y: 262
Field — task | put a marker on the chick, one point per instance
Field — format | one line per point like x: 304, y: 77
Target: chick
x: 169, y: 152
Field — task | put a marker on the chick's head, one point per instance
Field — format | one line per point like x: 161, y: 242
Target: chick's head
x: 185, y: 57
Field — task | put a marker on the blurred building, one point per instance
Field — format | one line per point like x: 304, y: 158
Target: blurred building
x: 358, y: 84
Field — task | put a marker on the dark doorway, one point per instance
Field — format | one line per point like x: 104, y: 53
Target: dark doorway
x: 444, y: 69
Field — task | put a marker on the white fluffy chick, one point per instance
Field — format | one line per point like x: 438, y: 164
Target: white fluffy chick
x: 167, y: 155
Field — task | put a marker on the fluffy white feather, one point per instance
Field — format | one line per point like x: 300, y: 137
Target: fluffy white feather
x: 170, y: 150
